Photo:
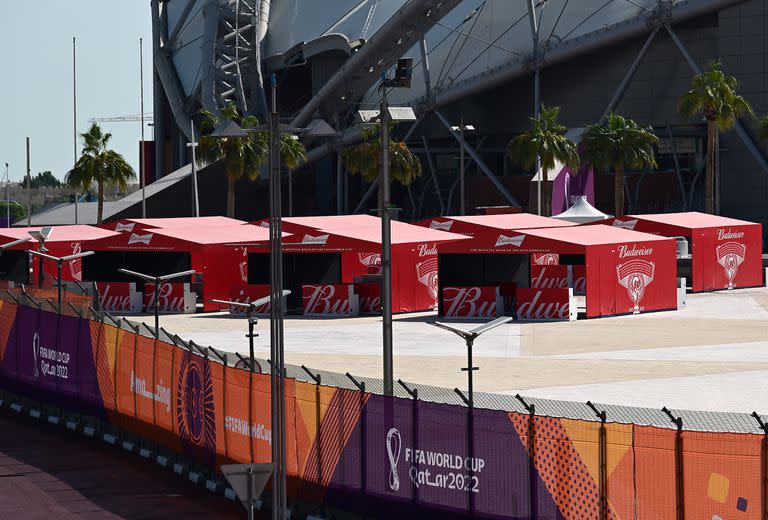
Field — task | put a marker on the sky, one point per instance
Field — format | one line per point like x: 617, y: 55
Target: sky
x: 36, y: 78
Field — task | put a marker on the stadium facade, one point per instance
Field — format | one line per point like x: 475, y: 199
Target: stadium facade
x: 486, y: 61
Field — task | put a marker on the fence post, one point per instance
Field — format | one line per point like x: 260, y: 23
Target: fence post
x: 532, y: 477
x: 223, y: 359
x: 414, y: 393
x: 316, y: 378
x: 133, y: 371
x: 363, y: 430
x: 763, y: 466
x: 679, y: 473
x: 602, y: 448
x: 470, y: 443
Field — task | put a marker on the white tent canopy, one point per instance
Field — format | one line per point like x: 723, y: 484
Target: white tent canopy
x: 582, y: 212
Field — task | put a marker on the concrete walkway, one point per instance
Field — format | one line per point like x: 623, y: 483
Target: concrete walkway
x: 713, y: 355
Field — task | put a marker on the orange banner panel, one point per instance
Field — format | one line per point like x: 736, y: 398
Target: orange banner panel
x: 655, y: 473
x: 164, y: 406
x: 142, y: 379
x: 125, y: 396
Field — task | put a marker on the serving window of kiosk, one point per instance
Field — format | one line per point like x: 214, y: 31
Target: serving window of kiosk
x: 14, y: 266
x: 103, y: 266
x: 463, y: 269
x: 299, y: 269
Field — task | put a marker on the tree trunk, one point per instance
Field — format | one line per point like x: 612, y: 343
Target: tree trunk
x: 710, y: 179
x: 618, y: 191
x: 230, y: 197
x: 546, y: 194
x: 100, y: 207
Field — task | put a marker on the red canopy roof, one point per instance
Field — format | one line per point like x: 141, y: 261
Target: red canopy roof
x: 691, y: 220
x: 366, y: 228
x: 166, y: 223
x: 75, y: 233
x: 510, y: 221
x: 598, y: 234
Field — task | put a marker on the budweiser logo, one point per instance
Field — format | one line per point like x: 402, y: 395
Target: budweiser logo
x: 635, y: 276
x: 242, y: 297
x: 426, y: 273
x: 426, y: 250
x: 626, y: 252
x: 470, y: 302
x: 322, y: 300
x: 443, y: 226
x: 370, y: 260
x: 315, y: 241
x: 170, y: 297
x: 370, y: 304
x: 543, y: 305
x: 550, y: 277
x: 626, y: 224
x: 125, y: 227
x: 731, y: 255
x: 140, y: 239
x: 119, y: 297
x: 244, y: 266
x: 76, y: 265
x: 504, y: 240
x: 723, y: 234
x: 546, y: 259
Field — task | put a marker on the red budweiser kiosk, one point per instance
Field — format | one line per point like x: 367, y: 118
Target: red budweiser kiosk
x: 624, y: 272
x: 158, y: 251
x: 332, y: 265
x: 714, y: 252
x: 62, y: 241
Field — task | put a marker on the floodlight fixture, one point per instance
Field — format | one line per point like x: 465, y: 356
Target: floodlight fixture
x: 59, y: 262
x: 157, y: 280
x: 9, y: 245
x: 469, y: 337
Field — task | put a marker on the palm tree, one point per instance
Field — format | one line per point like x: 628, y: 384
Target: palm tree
x: 98, y: 164
x: 365, y: 159
x: 762, y: 128
x: 292, y: 155
x: 617, y: 143
x: 714, y: 95
x: 242, y: 156
x: 546, y: 141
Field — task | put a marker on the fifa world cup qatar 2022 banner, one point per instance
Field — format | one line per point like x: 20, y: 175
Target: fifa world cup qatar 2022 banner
x: 382, y: 456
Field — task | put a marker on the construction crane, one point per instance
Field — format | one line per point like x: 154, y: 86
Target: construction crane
x: 148, y: 118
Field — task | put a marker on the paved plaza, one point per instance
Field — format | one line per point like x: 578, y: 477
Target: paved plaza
x: 713, y: 355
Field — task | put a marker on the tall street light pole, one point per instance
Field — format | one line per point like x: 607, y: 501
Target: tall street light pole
x: 7, y: 196
x: 193, y: 144
x: 29, y: 189
x: 463, y: 127
x: 141, y: 147
x: 386, y: 248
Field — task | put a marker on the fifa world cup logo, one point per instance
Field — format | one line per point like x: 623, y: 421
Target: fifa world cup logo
x: 635, y: 276
x: 731, y: 255
x: 36, y: 355
x: 393, y: 452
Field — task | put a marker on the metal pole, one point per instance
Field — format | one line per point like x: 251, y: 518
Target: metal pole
x: 470, y: 370
x: 537, y: 114
x: 58, y: 282
x: 74, y: 104
x: 276, y: 317
x: 7, y: 196
x: 141, y: 148
x: 77, y: 196
x: 157, y: 307
x: 193, y: 145
x: 463, y: 192
x: 250, y: 493
x: 29, y: 189
x: 386, y: 252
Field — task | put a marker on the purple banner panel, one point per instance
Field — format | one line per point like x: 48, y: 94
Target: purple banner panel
x: 52, y: 360
x: 569, y: 187
x: 420, y: 463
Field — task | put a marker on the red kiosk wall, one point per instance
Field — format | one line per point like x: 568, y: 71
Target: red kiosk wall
x: 220, y: 266
x: 628, y: 278
x: 728, y: 257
